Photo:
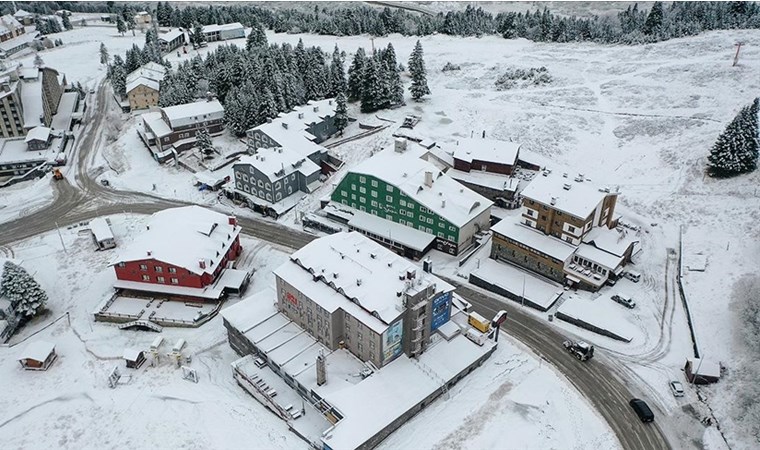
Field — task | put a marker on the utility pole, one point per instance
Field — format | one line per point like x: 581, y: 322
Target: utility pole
x: 522, y: 298
x: 736, y: 56
x: 61, y: 237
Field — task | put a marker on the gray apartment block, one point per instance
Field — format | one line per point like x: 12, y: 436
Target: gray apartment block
x: 275, y: 174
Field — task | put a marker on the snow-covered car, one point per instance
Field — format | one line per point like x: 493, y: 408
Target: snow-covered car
x: 624, y: 300
x: 677, y: 388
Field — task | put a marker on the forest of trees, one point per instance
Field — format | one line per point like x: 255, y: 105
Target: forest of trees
x: 632, y: 26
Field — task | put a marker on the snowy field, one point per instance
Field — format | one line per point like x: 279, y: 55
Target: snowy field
x: 156, y: 408
x: 641, y: 118
x: 24, y: 198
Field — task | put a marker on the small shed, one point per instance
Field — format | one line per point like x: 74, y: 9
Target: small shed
x: 38, y: 356
x: 134, y: 358
x: 101, y: 234
x: 700, y: 371
x: 38, y: 138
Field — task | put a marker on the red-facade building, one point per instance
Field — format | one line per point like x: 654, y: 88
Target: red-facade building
x: 184, y: 252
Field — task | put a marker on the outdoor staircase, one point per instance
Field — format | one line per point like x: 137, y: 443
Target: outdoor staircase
x: 146, y: 324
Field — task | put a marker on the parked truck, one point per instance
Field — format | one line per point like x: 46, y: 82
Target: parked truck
x: 57, y: 175
x: 479, y: 322
x: 581, y: 350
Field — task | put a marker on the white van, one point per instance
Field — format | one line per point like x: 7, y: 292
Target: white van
x: 633, y: 276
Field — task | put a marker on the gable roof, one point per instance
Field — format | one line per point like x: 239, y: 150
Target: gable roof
x: 38, y: 134
x: 491, y: 150
x: 170, y: 35
x: 548, y: 245
x: 580, y: 199
x: 223, y: 27
x: 37, y: 351
x: 183, y: 237
x: 446, y: 197
x: 142, y: 81
x: 278, y: 162
x: 189, y: 113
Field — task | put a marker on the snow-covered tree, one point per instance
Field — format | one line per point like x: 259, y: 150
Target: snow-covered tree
x: 267, y: 107
x: 66, y: 22
x: 103, y: 54
x: 393, y: 80
x: 203, y: 142
x: 337, y: 74
x: 118, y: 76
x: 131, y: 23
x: 341, y: 112
x: 196, y: 36
x: 38, y: 62
x: 419, y: 87
x: 654, y: 19
x: 257, y: 38
x: 22, y: 290
x: 356, y: 75
x: 121, y: 27
x: 736, y: 150
x: 371, y: 87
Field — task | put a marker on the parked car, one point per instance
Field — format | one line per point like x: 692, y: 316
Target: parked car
x: 633, y: 276
x: 642, y: 410
x: 105, y: 182
x: 677, y: 388
x: 624, y: 300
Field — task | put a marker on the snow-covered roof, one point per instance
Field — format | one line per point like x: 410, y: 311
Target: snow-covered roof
x: 704, y: 368
x: 101, y: 229
x: 190, y: 113
x: 598, y: 256
x: 170, y: 35
x: 25, y: 38
x: 8, y: 22
x: 151, y: 70
x: 22, y: 13
x: 37, y: 351
x: 38, y: 134
x: 445, y: 197
x: 142, y: 81
x: 183, y: 237
x: 278, y: 162
x: 363, y: 270
x: 154, y: 123
x: 486, y: 179
x: 490, y: 150
x: 534, y: 239
x: 224, y: 27
x: 31, y: 98
x: 577, y: 198
x: 131, y: 354
x: 615, y: 241
x: 28, y: 73
x: 407, y: 236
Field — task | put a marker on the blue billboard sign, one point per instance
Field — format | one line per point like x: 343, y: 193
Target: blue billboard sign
x: 441, y: 310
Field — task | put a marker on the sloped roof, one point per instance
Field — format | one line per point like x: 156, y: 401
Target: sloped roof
x: 491, y: 150
x: 188, y: 113
x: 276, y: 163
x: 223, y: 27
x: 142, y: 81
x: 37, y: 351
x: 171, y: 35
x: 534, y: 239
x: 182, y: 237
x: 579, y: 200
x: 38, y: 134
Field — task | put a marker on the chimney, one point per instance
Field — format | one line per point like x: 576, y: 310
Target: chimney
x: 443, y: 203
x: 202, y: 263
x: 566, y: 186
x: 400, y: 145
x: 300, y: 115
x: 554, y: 201
x: 316, y: 108
x: 358, y: 281
x: 209, y: 96
x: 329, y: 102
x: 285, y: 125
x: 411, y: 274
x: 429, y: 179
x: 232, y: 220
x: 321, y: 372
x: 150, y: 253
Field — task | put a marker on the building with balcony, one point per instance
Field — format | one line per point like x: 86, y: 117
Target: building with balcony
x: 143, y: 85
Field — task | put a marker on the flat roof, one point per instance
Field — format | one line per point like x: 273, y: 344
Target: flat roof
x: 156, y: 124
x: 402, y: 234
x: 534, y: 239
x: 579, y: 200
x: 598, y: 256
x: 100, y: 229
x: 445, y: 197
x: 211, y: 292
x: 31, y: 98
x: 62, y: 119
x: 490, y: 150
x: 224, y: 27
x: 486, y: 179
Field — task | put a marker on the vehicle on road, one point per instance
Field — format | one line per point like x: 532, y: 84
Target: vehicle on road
x: 479, y: 322
x: 581, y: 350
x: 642, y: 410
x: 677, y: 388
x: 57, y: 175
x: 633, y: 275
x: 624, y: 300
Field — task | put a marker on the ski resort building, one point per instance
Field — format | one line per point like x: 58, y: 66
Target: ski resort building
x: 274, y: 179
x: 214, y: 33
x: 409, y: 204
x: 10, y: 28
x: 301, y: 130
x: 171, y: 39
x: 566, y: 232
x: 142, y: 85
x: 352, y: 325
x: 185, y: 253
x: 24, y: 17
x: 170, y: 131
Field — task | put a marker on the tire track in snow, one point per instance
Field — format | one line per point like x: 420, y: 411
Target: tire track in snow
x: 60, y: 398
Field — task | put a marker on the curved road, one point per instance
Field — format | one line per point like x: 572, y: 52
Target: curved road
x: 88, y: 199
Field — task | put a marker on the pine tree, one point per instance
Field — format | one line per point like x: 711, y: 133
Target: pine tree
x: 257, y: 37
x: 197, y: 37
x: 131, y: 23
x: 736, y: 150
x: 118, y: 76
x: 419, y: 87
x: 356, y: 75
x: 203, y: 142
x: 23, y: 291
x: 393, y: 80
x: 341, y: 112
x: 371, y: 88
x: 337, y: 74
x: 654, y: 19
x: 66, y: 22
x: 120, y: 26
x: 103, y: 54
x: 267, y: 108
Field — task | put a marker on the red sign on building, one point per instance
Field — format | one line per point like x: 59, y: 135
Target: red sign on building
x: 291, y: 298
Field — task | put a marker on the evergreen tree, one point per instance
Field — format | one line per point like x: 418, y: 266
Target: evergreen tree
x: 736, y: 150
x: 120, y: 26
x: 419, y: 87
x: 338, y: 82
x: 257, y: 37
x: 118, y: 76
x: 267, y: 108
x: 103, y: 54
x: 341, y: 112
x: 197, y: 37
x: 23, y: 291
x: 66, y: 22
x: 371, y: 87
x: 38, y: 62
x: 654, y: 19
x: 203, y: 142
x: 356, y: 75
x: 393, y: 80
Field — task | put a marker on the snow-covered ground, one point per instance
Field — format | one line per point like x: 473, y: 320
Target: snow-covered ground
x: 24, y: 198
x: 156, y: 408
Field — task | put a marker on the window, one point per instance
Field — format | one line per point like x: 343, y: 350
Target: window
x: 571, y: 228
x: 245, y: 188
x: 121, y: 264
x: 172, y: 270
x: 423, y: 210
x: 421, y: 227
x: 373, y: 212
x: 374, y: 183
x: 143, y: 267
x: 362, y: 200
x: 373, y: 203
x: 402, y: 221
x: 146, y: 277
x: 409, y: 214
x: 239, y: 185
x: 389, y: 188
x: 429, y: 230
x: 362, y: 189
x: 343, y: 194
x: 452, y: 238
x: 389, y: 217
x: 359, y: 336
x: 268, y: 187
x: 374, y: 194
x: 402, y: 202
x: 261, y: 183
x: 160, y: 280
x: 422, y: 218
x: 569, y: 239
x: 158, y: 268
x: 353, y: 197
x: 278, y: 186
x: 353, y: 187
x: 402, y: 212
x: 430, y: 220
x: 245, y: 178
x: 362, y: 180
x: 440, y: 235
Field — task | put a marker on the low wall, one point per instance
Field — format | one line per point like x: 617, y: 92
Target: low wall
x: 593, y: 328
x: 474, y: 279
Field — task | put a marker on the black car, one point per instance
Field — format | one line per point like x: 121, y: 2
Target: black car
x: 642, y: 410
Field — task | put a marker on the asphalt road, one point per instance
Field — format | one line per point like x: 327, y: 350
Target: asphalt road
x: 602, y: 386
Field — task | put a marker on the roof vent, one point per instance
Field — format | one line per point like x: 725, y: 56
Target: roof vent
x: 358, y: 281
x: 429, y: 179
x: 373, y: 255
x: 564, y: 175
x: 443, y: 203
x: 316, y: 108
x: 202, y: 263
x: 579, y: 178
x: 566, y: 187
x: 554, y: 201
x: 300, y: 115
x: 285, y: 125
x: 402, y: 275
x: 335, y: 274
x: 150, y: 252
x: 390, y: 263
x: 400, y: 145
